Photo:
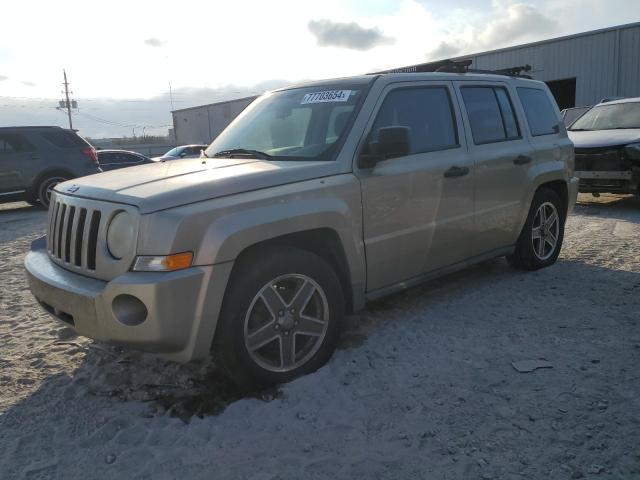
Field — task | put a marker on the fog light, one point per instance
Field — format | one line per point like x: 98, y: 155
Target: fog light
x: 129, y: 310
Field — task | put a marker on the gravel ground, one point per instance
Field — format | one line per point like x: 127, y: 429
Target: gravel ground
x: 423, y: 386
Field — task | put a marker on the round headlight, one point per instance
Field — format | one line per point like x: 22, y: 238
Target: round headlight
x: 120, y: 235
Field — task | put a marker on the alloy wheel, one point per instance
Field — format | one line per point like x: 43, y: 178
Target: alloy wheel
x: 545, y: 231
x: 286, y: 323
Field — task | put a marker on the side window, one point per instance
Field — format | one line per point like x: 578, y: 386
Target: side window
x: 508, y: 116
x: 490, y: 114
x: 64, y: 138
x: 426, y: 111
x: 12, y: 143
x: 539, y: 111
x: 5, y: 146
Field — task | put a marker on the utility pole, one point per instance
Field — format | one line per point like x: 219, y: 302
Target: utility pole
x: 68, y: 103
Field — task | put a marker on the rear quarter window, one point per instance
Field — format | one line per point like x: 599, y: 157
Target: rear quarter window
x: 539, y: 111
x: 64, y: 139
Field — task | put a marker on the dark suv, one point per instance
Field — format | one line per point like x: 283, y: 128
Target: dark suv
x: 35, y: 159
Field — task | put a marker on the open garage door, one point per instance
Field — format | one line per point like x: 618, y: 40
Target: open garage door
x: 564, y: 92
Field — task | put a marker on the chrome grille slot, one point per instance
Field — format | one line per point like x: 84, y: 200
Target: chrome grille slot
x: 68, y: 229
x: 76, y: 236
x: 93, y: 239
x: 59, y: 239
x: 82, y: 218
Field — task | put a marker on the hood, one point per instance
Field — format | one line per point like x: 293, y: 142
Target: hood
x: 162, y: 185
x: 604, y: 138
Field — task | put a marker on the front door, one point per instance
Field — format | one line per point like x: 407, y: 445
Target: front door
x: 418, y: 209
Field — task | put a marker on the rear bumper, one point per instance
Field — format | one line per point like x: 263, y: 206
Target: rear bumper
x: 177, y: 321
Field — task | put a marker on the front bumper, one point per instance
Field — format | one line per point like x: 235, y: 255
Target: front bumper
x: 572, y: 190
x: 181, y: 307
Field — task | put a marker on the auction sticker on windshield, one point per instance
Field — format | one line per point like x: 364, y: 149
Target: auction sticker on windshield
x: 326, y: 96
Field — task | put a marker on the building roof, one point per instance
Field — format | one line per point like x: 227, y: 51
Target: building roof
x: 252, y: 97
x: 552, y: 40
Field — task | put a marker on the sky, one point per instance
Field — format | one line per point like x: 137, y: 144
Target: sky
x: 121, y: 56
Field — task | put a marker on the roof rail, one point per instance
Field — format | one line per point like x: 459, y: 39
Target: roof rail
x: 460, y: 66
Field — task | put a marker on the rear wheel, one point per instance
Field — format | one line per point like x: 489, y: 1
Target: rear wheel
x: 280, y: 318
x: 541, y: 238
x: 46, y: 186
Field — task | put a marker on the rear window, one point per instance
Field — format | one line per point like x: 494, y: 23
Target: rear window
x: 64, y: 139
x: 540, y: 113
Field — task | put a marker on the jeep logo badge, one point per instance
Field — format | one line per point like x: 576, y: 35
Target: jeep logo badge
x: 73, y: 188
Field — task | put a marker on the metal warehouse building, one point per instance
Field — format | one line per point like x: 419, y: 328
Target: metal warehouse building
x: 204, y: 123
x: 580, y: 69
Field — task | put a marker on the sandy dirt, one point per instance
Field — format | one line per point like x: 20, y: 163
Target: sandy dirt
x: 423, y: 386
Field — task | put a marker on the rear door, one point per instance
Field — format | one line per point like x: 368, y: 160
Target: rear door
x: 418, y: 208
x: 503, y: 159
x: 16, y: 154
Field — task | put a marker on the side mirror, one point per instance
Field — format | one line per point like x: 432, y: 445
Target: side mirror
x: 183, y: 154
x: 392, y: 142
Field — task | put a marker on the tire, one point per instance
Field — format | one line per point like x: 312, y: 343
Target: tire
x: 538, y: 250
x: 45, y: 186
x: 276, y: 275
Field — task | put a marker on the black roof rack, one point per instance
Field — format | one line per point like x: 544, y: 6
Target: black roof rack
x: 459, y: 66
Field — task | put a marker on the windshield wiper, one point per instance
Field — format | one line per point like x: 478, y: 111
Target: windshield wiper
x: 579, y: 130
x: 243, y: 151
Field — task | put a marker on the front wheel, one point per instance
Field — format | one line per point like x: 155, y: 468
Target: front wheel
x: 46, y: 186
x: 541, y: 238
x: 280, y: 318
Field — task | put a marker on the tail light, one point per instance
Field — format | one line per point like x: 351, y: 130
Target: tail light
x: 91, y: 153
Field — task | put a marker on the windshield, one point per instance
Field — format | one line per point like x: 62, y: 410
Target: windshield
x: 301, y: 123
x: 610, y: 117
x: 172, y: 153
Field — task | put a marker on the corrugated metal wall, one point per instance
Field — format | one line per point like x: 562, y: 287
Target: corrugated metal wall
x: 203, y: 124
x: 604, y: 63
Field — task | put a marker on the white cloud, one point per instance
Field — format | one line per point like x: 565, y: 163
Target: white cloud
x: 347, y: 35
x: 244, y: 42
x: 507, y: 23
x: 153, y: 42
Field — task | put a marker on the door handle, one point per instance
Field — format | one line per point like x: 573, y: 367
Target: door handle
x: 522, y: 160
x: 456, y: 172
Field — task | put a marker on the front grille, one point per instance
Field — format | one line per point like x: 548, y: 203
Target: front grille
x: 73, y: 234
x: 601, y: 159
x: 76, y: 236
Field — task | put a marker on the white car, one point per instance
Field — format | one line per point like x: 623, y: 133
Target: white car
x: 184, y: 151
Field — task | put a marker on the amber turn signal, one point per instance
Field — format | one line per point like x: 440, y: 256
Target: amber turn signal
x: 166, y: 263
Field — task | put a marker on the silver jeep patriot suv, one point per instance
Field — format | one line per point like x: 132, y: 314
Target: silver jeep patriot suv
x: 314, y: 200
